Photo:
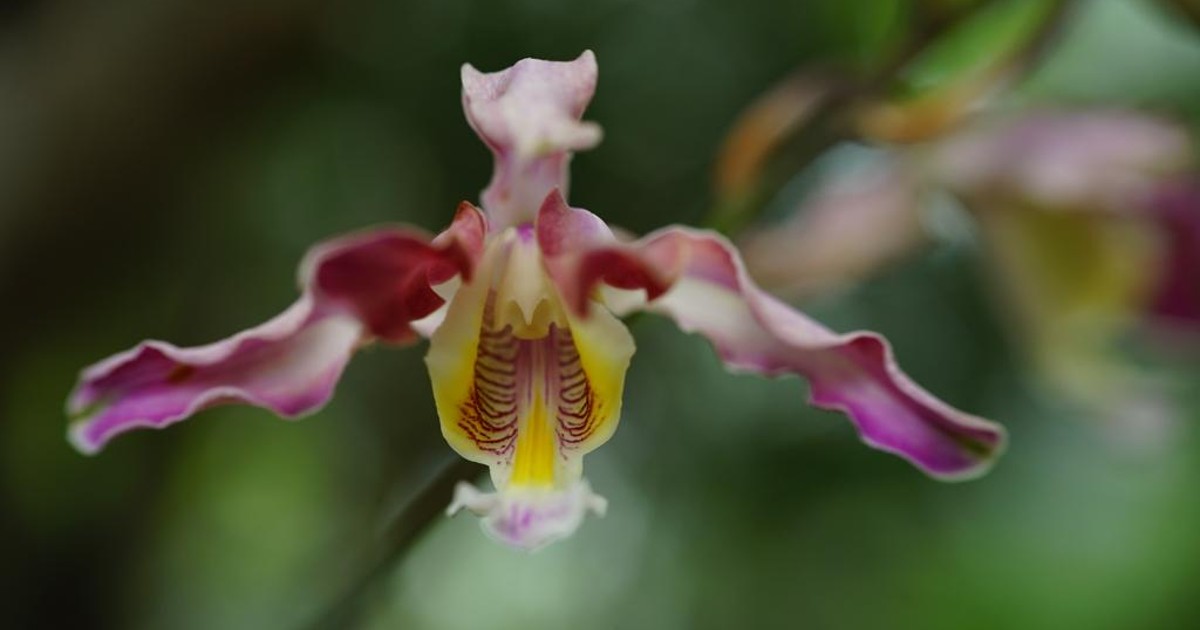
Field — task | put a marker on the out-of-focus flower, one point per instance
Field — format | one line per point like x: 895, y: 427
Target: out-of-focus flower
x: 520, y: 302
x: 1177, y: 298
x: 1073, y: 217
x: 1089, y: 219
x: 854, y: 224
x: 1091, y: 161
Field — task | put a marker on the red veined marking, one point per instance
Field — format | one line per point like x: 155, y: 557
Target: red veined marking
x: 577, y: 405
x: 504, y: 374
x: 488, y: 417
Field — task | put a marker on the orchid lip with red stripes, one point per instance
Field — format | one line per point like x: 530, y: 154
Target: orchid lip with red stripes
x: 527, y: 356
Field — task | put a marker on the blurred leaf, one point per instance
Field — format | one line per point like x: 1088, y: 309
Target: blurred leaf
x: 990, y: 36
x: 945, y: 81
x: 860, y: 33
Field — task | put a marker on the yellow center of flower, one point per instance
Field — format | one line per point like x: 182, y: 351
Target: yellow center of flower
x: 533, y: 461
x: 520, y: 383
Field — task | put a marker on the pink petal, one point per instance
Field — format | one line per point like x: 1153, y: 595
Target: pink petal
x: 371, y: 284
x: 529, y: 116
x: 289, y: 365
x: 562, y: 229
x: 697, y: 279
x: 565, y: 234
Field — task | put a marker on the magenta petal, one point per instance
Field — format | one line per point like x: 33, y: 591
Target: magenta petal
x: 289, y: 365
x: 575, y: 253
x: 385, y: 276
x: 529, y: 116
x: 698, y: 279
x: 374, y: 284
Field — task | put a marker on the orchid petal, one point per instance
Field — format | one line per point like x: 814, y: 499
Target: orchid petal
x: 387, y: 276
x: 529, y: 519
x: 854, y: 373
x: 529, y: 116
x: 697, y: 279
x: 564, y: 234
x: 289, y: 365
x: 357, y: 287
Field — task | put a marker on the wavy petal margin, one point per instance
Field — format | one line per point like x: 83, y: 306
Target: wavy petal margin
x: 698, y: 279
x: 359, y: 287
x: 529, y: 518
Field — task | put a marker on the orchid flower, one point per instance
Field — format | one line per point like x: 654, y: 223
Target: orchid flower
x: 520, y: 303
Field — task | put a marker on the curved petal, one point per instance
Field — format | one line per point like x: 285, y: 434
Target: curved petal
x: 573, y: 242
x: 387, y: 276
x: 529, y: 116
x: 697, y: 279
x: 291, y: 364
x: 529, y: 520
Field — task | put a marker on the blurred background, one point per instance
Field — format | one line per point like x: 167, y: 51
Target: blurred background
x: 165, y: 164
